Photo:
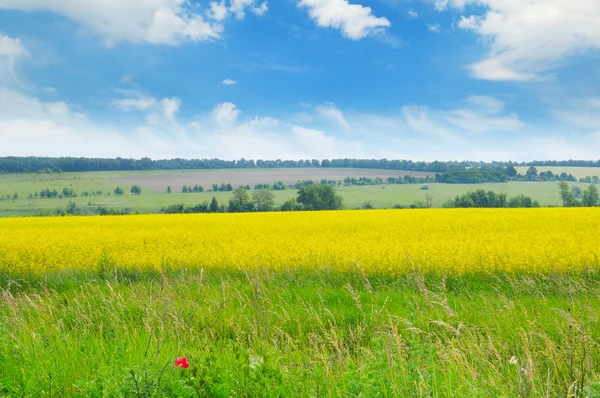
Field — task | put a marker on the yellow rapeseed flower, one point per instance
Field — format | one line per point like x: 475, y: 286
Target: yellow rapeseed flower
x: 391, y: 242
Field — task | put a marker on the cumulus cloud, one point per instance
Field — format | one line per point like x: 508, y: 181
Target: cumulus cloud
x: 413, y: 14
x: 527, y: 39
x: 218, y: 10
x: 226, y: 114
x: 238, y: 8
x: 354, y: 20
x: 152, y: 21
x: 229, y: 82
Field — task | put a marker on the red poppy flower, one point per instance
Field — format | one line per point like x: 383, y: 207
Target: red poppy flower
x: 182, y: 362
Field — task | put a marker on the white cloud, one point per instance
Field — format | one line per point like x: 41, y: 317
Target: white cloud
x: 354, y: 20
x: 32, y: 127
x: 134, y: 101
x: 11, y: 50
x: 218, y: 10
x: 331, y: 112
x: 139, y: 21
x: 440, y: 5
x: 226, y: 114
x: 483, y: 114
x: 10, y: 47
x: 324, y: 146
x: 479, y: 114
x: 481, y: 128
x: 229, y: 82
x: 434, y: 28
x: 260, y: 10
x: 413, y: 14
x: 527, y: 39
x: 170, y: 107
x: 238, y: 7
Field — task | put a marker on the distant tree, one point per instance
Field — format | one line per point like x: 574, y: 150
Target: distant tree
x: 68, y: 192
x: 568, y: 199
x: 532, y: 173
x: 263, y: 200
x: 590, y: 197
x: 279, y: 186
x: 577, y: 192
x: 71, y: 208
x: 522, y: 201
x: 367, y: 205
x: 319, y: 197
x: 15, y: 196
x: 136, y: 190
x: 290, y: 205
x: 169, y: 190
x: 214, y: 205
x: 118, y: 191
x: 240, y: 202
x: 511, y: 171
x: 428, y: 201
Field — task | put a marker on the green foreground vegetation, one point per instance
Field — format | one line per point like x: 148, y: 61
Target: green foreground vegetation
x: 299, y: 333
x: 149, y: 200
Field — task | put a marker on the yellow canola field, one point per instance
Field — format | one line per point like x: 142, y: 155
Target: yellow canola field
x: 456, y: 240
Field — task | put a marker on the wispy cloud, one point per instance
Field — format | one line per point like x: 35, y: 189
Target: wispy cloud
x: 266, y: 65
x: 435, y: 28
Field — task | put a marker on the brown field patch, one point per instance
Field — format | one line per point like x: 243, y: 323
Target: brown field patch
x: 207, y: 178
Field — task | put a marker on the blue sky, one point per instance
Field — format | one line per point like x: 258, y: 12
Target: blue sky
x: 296, y: 79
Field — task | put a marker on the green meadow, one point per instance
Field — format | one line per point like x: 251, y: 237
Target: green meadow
x: 299, y: 333
x: 152, y: 200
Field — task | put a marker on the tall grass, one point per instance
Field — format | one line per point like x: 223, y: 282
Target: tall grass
x: 299, y: 333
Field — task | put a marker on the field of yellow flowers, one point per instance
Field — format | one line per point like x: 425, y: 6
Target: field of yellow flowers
x: 390, y: 242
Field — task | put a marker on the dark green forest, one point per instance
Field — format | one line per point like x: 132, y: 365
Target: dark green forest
x: 71, y: 164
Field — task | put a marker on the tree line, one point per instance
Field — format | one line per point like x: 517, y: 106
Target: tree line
x: 489, y: 199
x: 70, y: 164
x: 575, y: 197
x: 480, y: 175
x: 12, y: 164
x: 309, y: 198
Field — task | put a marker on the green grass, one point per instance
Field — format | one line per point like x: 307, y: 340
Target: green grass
x: 299, y: 333
x: 151, y: 201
